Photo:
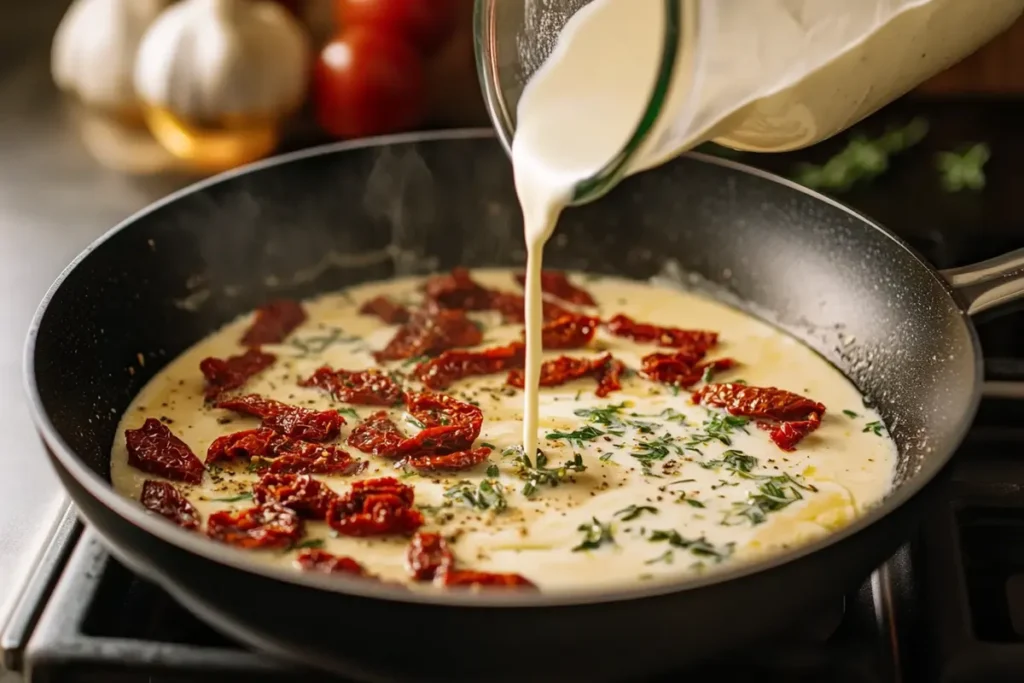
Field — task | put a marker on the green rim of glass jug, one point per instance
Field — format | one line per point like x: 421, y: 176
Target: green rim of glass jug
x: 502, y: 112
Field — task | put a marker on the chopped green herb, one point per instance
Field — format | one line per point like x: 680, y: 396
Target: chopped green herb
x: 349, y: 412
x: 233, y: 499
x: 709, y: 374
x: 875, y: 428
x: 692, y: 502
x: 413, y: 420
x: 717, y: 427
x: 542, y: 475
x: 577, y: 437
x: 774, y: 494
x: 595, y: 534
x: 863, y: 159
x: 317, y: 344
x: 415, y: 360
x: 850, y: 413
x: 698, y: 546
x: 309, y: 543
x: 607, y: 416
x: 739, y: 381
x: 633, y: 511
x: 649, y: 452
x: 667, y: 557
x: 965, y: 170
x: 734, y: 460
x: 487, y: 495
x: 492, y: 471
x: 488, y: 445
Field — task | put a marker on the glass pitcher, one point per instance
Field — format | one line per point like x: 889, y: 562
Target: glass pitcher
x: 753, y: 75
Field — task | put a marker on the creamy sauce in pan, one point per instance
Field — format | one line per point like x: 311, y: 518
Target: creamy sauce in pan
x: 639, y: 523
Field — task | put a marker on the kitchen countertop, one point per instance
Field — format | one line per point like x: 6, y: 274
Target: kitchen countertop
x: 54, y: 200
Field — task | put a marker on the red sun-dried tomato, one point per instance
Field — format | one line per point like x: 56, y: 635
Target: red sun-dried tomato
x: 361, y: 387
x: 273, y: 322
x: 462, y: 460
x: 758, y: 402
x: 773, y: 408
x: 299, y: 492
x: 166, y: 501
x: 298, y: 423
x: 317, y: 459
x: 262, y: 526
x: 154, y: 449
x: 624, y: 326
x: 428, y: 333
x: 605, y: 369
x: 225, y: 374
x: 569, y: 332
x: 387, y: 310
x: 250, y: 443
x: 680, y: 369
x: 451, y: 366
x: 457, y: 290
x: 786, y: 435
x: 513, y: 308
x: 374, y: 507
x: 428, y: 555
x: 557, y: 284
x: 450, y: 425
x: 467, y: 578
x: 377, y: 434
x: 320, y: 561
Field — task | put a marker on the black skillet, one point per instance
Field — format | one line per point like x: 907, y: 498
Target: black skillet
x: 339, y: 215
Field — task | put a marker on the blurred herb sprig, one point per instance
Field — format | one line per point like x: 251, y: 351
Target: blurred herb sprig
x: 964, y: 170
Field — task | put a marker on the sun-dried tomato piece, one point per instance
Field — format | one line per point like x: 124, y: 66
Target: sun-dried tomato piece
x: 786, y: 435
x: 387, y: 310
x: 605, y: 369
x: 320, y: 561
x: 154, y: 449
x: 457, y: 290
x: 428, y: 555
x: 569, y: 332
x: 166, y: 501
x: 298, y: 423
x: 624, y: 326
x: 451, y: 366
x: 361, y: 387
x: 374, y: 507
x: 377, y: 434
x: 463, y: 460
x: 299, y: 492
x: 250, y: 443
x: 262, y: 526
x: 513, y: 308
x: 609, y: 376
x: 557, y: 284
x: 317, y: 459
x: 450, y: 425
x: 680, y: 369
x: 787, y: 416
x: 466, y: 578
x: 758, y: 402
x: 273, y: 322
x: 428, y: 333
x: 225, y: 374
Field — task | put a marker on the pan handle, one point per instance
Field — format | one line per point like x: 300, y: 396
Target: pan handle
x: 996, y: 282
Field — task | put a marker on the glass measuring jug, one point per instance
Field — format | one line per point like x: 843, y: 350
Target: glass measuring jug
x: 757, y: 75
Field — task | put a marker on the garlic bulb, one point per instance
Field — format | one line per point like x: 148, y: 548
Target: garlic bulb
x: 208, y: 60
x: 94, y: 50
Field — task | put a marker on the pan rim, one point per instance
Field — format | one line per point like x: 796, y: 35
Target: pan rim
x: 238, y: 559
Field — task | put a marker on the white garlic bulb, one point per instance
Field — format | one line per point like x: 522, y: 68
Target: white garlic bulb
x: 94, y: 50
x: 205, y: 60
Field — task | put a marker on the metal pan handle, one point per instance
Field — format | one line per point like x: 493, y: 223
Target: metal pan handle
x: 994, y: 283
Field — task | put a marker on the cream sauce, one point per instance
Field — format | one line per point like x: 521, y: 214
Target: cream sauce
x: 845, y: 460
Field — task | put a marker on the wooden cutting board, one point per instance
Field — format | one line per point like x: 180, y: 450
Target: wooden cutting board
x: 996, y: 69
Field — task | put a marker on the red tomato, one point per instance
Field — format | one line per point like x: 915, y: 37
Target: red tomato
x: 368, y: 83
x: 425, y: 23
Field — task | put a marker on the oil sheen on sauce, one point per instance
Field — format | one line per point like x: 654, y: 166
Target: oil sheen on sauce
x: 658, y: 498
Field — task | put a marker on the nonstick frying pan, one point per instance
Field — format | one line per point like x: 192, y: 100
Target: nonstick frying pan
x: 343, y: 214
